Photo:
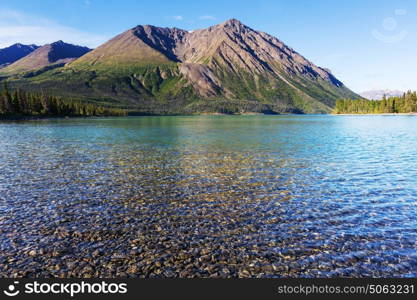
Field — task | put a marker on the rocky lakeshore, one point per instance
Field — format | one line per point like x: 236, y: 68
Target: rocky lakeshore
x: 153, y: 197
x: 205, y: 238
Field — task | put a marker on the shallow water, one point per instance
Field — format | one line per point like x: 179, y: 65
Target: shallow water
x: 220, y: 196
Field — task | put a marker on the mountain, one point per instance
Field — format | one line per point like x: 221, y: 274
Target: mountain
x: 379, y: 94
x: 224, y: 68
x: 55, y: 54
x: 15, y: 52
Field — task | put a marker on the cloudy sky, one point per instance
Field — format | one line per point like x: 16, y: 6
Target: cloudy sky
x: 368, y: 44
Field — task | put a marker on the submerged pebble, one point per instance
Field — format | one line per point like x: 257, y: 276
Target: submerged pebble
x: 144, y: 198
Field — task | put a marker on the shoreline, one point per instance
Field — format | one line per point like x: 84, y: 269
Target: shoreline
x: 383, y: 114
x: 40, y: 118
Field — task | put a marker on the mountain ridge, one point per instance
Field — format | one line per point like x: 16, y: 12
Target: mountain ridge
x: 155, y: 68
x: 57, y: 53
x: 15, y: 52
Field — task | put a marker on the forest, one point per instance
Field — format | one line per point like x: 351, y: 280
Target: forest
x: 407, y: 103
x: 20, y: 103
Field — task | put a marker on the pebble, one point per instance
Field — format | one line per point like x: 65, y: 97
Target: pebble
x: 189, y: 218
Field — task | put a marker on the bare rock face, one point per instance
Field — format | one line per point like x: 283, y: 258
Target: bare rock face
x: 164, y: 40
x: 201, y: 78
x: 234, y: 45
x: 124, y: 49
x: 230, y: 45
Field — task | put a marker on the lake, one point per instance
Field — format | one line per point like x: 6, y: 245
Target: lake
x: 209, y: 196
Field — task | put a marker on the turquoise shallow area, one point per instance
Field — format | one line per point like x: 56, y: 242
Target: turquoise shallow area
x: 268, y: 196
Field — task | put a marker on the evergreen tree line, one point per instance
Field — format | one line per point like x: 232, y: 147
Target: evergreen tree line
x: 17, y: 102
x: 407, y: 103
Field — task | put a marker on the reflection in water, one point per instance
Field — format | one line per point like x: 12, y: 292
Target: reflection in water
x: 260, y: 196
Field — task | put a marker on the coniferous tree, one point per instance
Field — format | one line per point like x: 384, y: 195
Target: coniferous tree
x: 19, y: 102
x: 406, y: 103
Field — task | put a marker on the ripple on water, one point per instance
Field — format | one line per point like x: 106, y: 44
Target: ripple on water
x: 254, y: 196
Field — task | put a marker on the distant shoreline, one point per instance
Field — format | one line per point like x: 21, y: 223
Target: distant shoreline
x: 384, y: 114
x: 40, y: 118
x: 51, y: 117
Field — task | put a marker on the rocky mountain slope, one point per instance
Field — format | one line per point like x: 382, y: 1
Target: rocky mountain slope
x: 224, y: 68
x: 15, y: 52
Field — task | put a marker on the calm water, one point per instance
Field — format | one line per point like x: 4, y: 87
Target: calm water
x: 209, y: 196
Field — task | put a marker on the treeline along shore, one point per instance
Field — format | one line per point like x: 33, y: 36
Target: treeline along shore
x: 407, y: 103
x: 17, y: 103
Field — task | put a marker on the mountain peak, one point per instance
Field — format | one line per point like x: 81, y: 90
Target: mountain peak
x: 57, y: 53
x: 233, y: 22
x: 21, y: 46
x: 15, y: 52
x: 58, y: 43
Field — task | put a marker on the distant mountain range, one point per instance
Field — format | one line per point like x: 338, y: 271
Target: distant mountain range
x: 15, y: 52
x: 55, y: 54
x: 225, y: 68
x: 379, y: 94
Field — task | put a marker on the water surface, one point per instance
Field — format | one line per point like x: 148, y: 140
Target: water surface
x: 219, y: 196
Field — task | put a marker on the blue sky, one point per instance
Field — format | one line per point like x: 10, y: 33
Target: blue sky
x: 368, y: 44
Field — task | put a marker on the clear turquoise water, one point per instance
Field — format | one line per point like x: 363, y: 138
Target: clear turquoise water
x: 323, y: 195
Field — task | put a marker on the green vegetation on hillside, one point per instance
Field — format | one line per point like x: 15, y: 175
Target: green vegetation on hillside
x: 404, y: 104
x: 283, y: 94
x: 16, y: 102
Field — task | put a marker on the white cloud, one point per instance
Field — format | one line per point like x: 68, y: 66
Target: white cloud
x: 178, y: 18
x: 87, y: 3
x: 207, y: 17
x: 18, y: 27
